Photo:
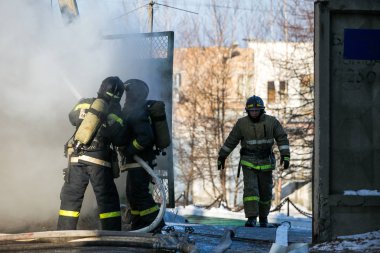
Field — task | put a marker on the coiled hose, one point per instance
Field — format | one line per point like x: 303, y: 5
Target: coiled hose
x: 157, y: 180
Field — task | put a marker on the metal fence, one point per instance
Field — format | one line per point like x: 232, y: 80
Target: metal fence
x: 151, y: 59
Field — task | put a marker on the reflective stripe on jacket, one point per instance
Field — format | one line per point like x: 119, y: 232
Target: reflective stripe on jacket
x: 257, y: 138
x: 98, y: 152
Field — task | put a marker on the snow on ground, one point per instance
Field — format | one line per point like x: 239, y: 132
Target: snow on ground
x: 298, y: 220
x: 362, y: 192
x: 369, y: 242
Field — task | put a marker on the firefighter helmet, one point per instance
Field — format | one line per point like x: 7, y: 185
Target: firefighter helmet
x: 254, y: 103
x: 136, y: 90
x: 112, y: 88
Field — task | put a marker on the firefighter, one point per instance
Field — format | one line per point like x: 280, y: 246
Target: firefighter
x: 92, y: 161
x: 139, y: 140
x: 256, y: 133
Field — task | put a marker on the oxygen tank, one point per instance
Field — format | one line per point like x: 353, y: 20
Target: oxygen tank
x: 159, y: 123
x: 91, y: 122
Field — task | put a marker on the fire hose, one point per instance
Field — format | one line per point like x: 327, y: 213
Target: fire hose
x: 57, y: 237
x: 157, y: 180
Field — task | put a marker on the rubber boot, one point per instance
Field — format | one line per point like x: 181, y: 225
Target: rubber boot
x: 263, y: 222
x: 251, y: 222
x: 113, y: 223
x: 67, y: 223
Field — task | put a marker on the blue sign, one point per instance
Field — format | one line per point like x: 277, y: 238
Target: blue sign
x: 361, y: 44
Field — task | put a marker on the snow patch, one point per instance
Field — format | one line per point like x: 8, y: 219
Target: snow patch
x: 363, y: 192
x: 297, y: 220
x: 358, y: 242
x: 214, y: 212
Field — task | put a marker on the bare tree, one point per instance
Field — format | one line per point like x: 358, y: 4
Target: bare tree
x: 203, y: 101
x: 296, y: 107
x: 207, y: 104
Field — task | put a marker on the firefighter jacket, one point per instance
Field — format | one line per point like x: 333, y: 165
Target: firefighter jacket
x: 98, y: 151
x: 257, y: 139
x: 138, y: 136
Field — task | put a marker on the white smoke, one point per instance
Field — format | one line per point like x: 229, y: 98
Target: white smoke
x: 45, y: 66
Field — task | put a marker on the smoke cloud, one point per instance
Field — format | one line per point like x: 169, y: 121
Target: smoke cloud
x: 45, y: 66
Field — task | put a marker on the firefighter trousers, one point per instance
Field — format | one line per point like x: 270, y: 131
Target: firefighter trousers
x: 257, y: 196
x: 143, y: 207
x: 106, y: 194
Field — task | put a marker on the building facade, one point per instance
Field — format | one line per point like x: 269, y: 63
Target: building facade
x: 279, y: 72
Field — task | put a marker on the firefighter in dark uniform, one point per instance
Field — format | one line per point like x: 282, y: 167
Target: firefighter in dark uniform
x: 256, y: 133
x: 140, y: 141
x: 93, y: 162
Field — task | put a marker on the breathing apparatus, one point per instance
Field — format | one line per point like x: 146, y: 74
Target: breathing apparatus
x: 159, y: 125
x: 137, y: 91
x: 110, y: 91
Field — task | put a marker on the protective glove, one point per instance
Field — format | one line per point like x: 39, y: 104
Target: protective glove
x: 285, y: 159
x: 221, y: 162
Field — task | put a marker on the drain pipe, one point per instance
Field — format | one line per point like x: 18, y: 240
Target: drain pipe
x: 162, y: 191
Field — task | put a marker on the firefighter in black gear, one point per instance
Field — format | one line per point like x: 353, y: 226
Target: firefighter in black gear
x: 93, y: 161
x: 257, y: 133
x: 139, y: 140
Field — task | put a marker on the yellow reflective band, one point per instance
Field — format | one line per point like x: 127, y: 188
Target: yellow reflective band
x: 116, y: 118
x: 149, y: 211
x: 137, y: 145
x: 256, y: 167
x: 82, y: 106
x: 135, y: 212
x: 265, y: 202
x: 286, y: 158
x: 74, y: 214
x: 251, y: 198
x: 112, y: 95
x: 109, y: 215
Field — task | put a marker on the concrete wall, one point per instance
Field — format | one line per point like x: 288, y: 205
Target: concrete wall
x: 347, y: 105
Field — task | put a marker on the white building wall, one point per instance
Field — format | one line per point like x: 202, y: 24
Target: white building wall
x: 270, y: 65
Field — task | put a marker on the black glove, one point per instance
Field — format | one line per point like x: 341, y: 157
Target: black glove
x: 221, y: 162
x: 285, y: 159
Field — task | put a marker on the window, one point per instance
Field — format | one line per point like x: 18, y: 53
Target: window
x: 245, y: 87
x: 283, y: 90
x: 271, y: 92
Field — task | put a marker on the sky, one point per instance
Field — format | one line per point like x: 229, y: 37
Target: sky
x: 244, y: 18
